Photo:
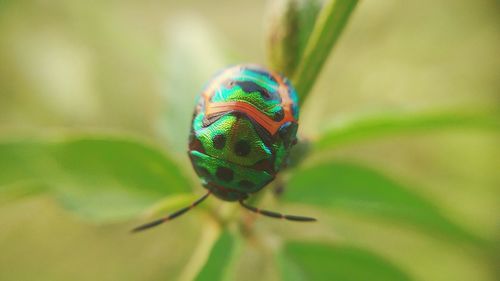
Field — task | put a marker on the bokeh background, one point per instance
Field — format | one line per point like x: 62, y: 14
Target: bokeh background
x: 134, y: 68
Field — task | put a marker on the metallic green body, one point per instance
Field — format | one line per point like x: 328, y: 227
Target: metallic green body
x: 243, y: 128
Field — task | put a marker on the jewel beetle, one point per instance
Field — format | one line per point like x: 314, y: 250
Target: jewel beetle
x: 244, y: 125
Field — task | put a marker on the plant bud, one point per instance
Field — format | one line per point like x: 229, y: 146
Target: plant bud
x: 290, y: 24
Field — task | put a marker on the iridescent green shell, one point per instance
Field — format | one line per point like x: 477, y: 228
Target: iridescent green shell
x: 243, y: 127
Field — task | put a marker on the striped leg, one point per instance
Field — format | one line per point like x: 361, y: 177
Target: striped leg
x: 274, y: 214
x: 171, y: 216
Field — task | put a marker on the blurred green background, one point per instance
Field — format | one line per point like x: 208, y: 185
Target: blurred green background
x: 134, y: 68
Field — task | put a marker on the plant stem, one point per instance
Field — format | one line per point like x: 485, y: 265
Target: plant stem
x: 327, y: 29
x: 209, y: 235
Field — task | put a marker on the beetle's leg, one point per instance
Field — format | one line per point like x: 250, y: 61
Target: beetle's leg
x: 171, y: 216
x: 274, y: 214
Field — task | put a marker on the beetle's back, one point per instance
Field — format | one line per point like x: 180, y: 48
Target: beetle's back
x: 243, y: 127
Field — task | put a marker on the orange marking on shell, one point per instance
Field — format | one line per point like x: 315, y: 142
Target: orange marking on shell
x: 261, y: 118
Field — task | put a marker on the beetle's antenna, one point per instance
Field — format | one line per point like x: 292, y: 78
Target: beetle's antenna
x: 274, y: 214
x: 171, y: 216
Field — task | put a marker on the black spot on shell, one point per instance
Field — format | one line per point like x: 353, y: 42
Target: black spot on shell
x: 279, y: 115
x: 266, y: 165
x: 264, y: 73
x: 287, y: 133
x: 224, y: 174
x: 203, y: 172
x: 195, y: 144
x: 250, y: 87
x: 242, y: 148
x: 219, y: 141
x: 246, y: 184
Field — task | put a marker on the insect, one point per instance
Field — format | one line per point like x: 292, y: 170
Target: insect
x: 244, y: 125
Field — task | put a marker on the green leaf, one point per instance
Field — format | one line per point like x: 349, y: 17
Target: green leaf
x: 316, y: 261
x: 101, y: 178
x: 330, y: 23
x: 365, y: 128
x: 220, y: 263
x: 363, y: 191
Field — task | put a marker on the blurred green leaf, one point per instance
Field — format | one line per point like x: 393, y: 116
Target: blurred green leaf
x: 363, y: 191
x: 194, y: 53
x: 170, y: 203
x: 100, y: 178
x: 19, y: 190
x: 315, y: 261
x: 365, y: 128
x: 329, y: 25
x: 220, y: 263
